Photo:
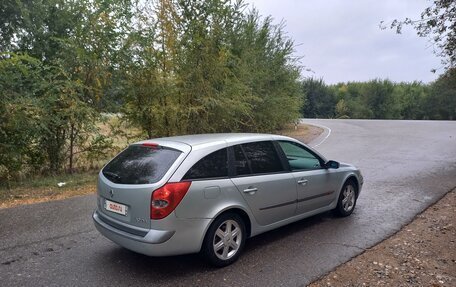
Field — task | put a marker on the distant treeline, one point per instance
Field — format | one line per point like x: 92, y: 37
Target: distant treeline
x: 382, y: 99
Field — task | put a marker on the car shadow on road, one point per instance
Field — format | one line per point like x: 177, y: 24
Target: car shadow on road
x: 276, y: 243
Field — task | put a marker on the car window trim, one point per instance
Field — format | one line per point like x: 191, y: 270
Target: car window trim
x: 306, y: 169
x: 282, y: 156
x: 260, y: 174
x: 231, y: 162
x: 206, y: 178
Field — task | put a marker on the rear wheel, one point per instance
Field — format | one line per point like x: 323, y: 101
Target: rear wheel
x: 224, y: 240
x: 347, y: 199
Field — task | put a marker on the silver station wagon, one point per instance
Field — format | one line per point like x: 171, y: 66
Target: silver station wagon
x: 209, y: 193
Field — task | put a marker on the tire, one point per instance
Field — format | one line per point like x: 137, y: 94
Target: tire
x: 220, y: 247
x: 347, y: 199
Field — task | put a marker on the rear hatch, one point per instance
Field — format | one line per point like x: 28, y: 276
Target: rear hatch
x: 126, y: 183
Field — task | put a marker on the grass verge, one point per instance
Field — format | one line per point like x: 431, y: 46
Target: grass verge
x: 47, y: 188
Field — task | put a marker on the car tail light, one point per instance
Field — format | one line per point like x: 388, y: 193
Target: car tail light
x: 165, y: 199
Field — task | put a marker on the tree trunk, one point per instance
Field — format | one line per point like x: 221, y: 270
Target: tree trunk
x: 72, y: 138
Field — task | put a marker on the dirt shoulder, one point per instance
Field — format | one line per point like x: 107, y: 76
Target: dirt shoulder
x: 423, y: 253
x: 60, y: 187
x: 302, y: 132
x: 27, y: 195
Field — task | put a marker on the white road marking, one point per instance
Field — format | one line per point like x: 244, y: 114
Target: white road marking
x: 323, y: 127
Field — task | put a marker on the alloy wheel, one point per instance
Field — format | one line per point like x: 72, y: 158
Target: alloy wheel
x: 349, y: 195
x: 227, y: 239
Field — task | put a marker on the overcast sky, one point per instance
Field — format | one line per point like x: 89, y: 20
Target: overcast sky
x: 340, y: 40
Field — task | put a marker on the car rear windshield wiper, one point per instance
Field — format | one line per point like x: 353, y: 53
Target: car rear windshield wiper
x: 112, y: 175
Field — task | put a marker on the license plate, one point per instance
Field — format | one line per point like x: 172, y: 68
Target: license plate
x: 116, y: 207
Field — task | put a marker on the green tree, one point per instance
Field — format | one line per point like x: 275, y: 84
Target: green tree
x: 206, y: 66
x: 175, y: 67
x: 341, y: 109
x: 78, y: 47
x: 83, y: 36
x: 320, y: 99
x: 378, y: 98
x: 438, y: 23
x: 410, y: 100
x: 67, y: 122
x: 20, y: 80
x: 353, y: 99
x: 44, y: 121
x: 441, y: 102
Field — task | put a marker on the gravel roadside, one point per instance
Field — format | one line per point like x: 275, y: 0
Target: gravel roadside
x: 422, y: 253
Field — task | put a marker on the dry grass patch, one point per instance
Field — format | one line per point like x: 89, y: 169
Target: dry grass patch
x: 302, y: 132
x: 47, y: 188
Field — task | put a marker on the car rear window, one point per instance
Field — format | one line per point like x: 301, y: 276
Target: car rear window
x: 140, y: 164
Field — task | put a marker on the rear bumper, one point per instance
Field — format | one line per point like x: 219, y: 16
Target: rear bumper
x: 186, y: 236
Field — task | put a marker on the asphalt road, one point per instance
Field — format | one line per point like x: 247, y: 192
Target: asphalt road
x: 407, y: 165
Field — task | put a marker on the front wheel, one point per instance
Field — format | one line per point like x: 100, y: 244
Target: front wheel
x: 347, y: 199
x: 224, y: 240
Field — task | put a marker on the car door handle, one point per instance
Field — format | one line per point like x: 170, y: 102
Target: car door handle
x: 303, y: 181
x: 251, y: 190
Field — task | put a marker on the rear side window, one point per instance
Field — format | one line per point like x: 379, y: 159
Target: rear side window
x: 241, y: 163
x: 262, y: 157
x: 140, y: 164
x: 211, y: 166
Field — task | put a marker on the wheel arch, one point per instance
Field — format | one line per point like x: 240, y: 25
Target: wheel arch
x: 353, y: 178
x: 244, y: 216
x: 237, y: 210
x: 207, y: 247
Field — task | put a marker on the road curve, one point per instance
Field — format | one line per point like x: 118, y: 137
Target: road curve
x: 407, y: 165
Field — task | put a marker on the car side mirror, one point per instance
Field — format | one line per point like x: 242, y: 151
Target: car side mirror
x: 332, y: 164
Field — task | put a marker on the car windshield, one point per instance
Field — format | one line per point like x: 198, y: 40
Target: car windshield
x: 140, y: 164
